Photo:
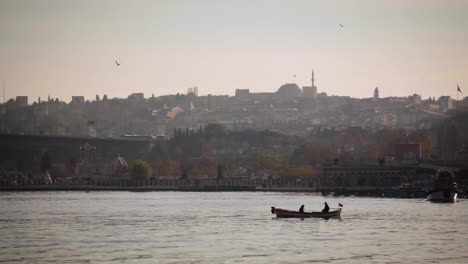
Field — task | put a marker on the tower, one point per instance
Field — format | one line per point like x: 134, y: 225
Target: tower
x: 376, y: 93
x: 310, y: 91
x: 313, y: 79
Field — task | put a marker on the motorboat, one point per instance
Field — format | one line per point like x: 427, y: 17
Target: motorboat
x: 444, y: 188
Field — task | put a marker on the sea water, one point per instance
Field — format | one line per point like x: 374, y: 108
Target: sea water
x: 225, y: 227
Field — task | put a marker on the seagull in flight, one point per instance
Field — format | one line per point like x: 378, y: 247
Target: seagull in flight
x: 341, y: 25
x: 118, y: 64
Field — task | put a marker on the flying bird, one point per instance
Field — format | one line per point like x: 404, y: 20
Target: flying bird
x: 341, y: 25
x: 118, y: 64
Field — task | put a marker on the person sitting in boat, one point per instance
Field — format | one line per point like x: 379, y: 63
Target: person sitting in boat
x: 326, y: 208
x: 301, y: 210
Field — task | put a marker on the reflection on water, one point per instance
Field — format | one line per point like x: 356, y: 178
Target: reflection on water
x: 177, y: 227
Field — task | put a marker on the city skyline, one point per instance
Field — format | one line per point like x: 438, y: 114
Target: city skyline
x: 64, y: 49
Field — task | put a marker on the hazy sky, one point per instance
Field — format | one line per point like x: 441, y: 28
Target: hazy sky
x: 66, y: 48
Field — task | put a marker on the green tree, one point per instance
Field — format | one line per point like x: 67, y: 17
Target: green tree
x: 217, y: 130
x: 58, y: 171
x: 140, y: 170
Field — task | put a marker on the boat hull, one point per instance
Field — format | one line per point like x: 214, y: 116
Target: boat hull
x: 283, y: 213
x: 443, y: 196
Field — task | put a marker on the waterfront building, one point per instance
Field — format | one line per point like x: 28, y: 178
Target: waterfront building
x: 362, y: 176
x: 289, y: 91
x: 22, y: 101
x: 242, y: 94
x: 192, y: 91
x: 408, y: 151
x: 215, y: 101
x: 136, y: 97
x: 446, y: 103
x: 77, y: 100
x: 416, y: 99
x: 309, y: 91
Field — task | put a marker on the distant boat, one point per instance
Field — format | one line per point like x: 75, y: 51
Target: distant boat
x: 444, y: 189
x: 283, y: 213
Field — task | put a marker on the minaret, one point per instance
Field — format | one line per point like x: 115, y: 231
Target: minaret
x: 2, y: 109
x: 313, y: 79
x: 310, y: 91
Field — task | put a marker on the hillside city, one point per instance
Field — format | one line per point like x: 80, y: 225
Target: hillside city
x: 290, y: 110
x: 292, y: 132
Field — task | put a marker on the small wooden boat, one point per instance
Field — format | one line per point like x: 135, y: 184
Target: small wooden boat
x: 283, y: 213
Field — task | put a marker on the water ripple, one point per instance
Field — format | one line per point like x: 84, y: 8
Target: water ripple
x: 176, y: 227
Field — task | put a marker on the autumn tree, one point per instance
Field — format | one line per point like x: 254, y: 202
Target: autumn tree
x: 271, y: 164
x: 203, y: 167
x: 166, y: 167
x: 302, y: 171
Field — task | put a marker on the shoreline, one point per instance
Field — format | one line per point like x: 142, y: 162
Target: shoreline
x: 377, y: 193
x: 203, y: 188
x: 180, y: 188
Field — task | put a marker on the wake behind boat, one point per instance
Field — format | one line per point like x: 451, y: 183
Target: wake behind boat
x: 284, y: 213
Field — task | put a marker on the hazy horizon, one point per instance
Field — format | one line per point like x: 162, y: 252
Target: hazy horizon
x: 68, y: 48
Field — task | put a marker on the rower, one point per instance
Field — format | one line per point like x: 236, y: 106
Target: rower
x: 301, y: 210
x: 326, y: 208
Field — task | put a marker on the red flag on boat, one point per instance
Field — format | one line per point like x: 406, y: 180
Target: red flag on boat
x: 340, y: 205
x: 458, y: 89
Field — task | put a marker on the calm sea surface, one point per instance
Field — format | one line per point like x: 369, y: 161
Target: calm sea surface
x: 189, y: 227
